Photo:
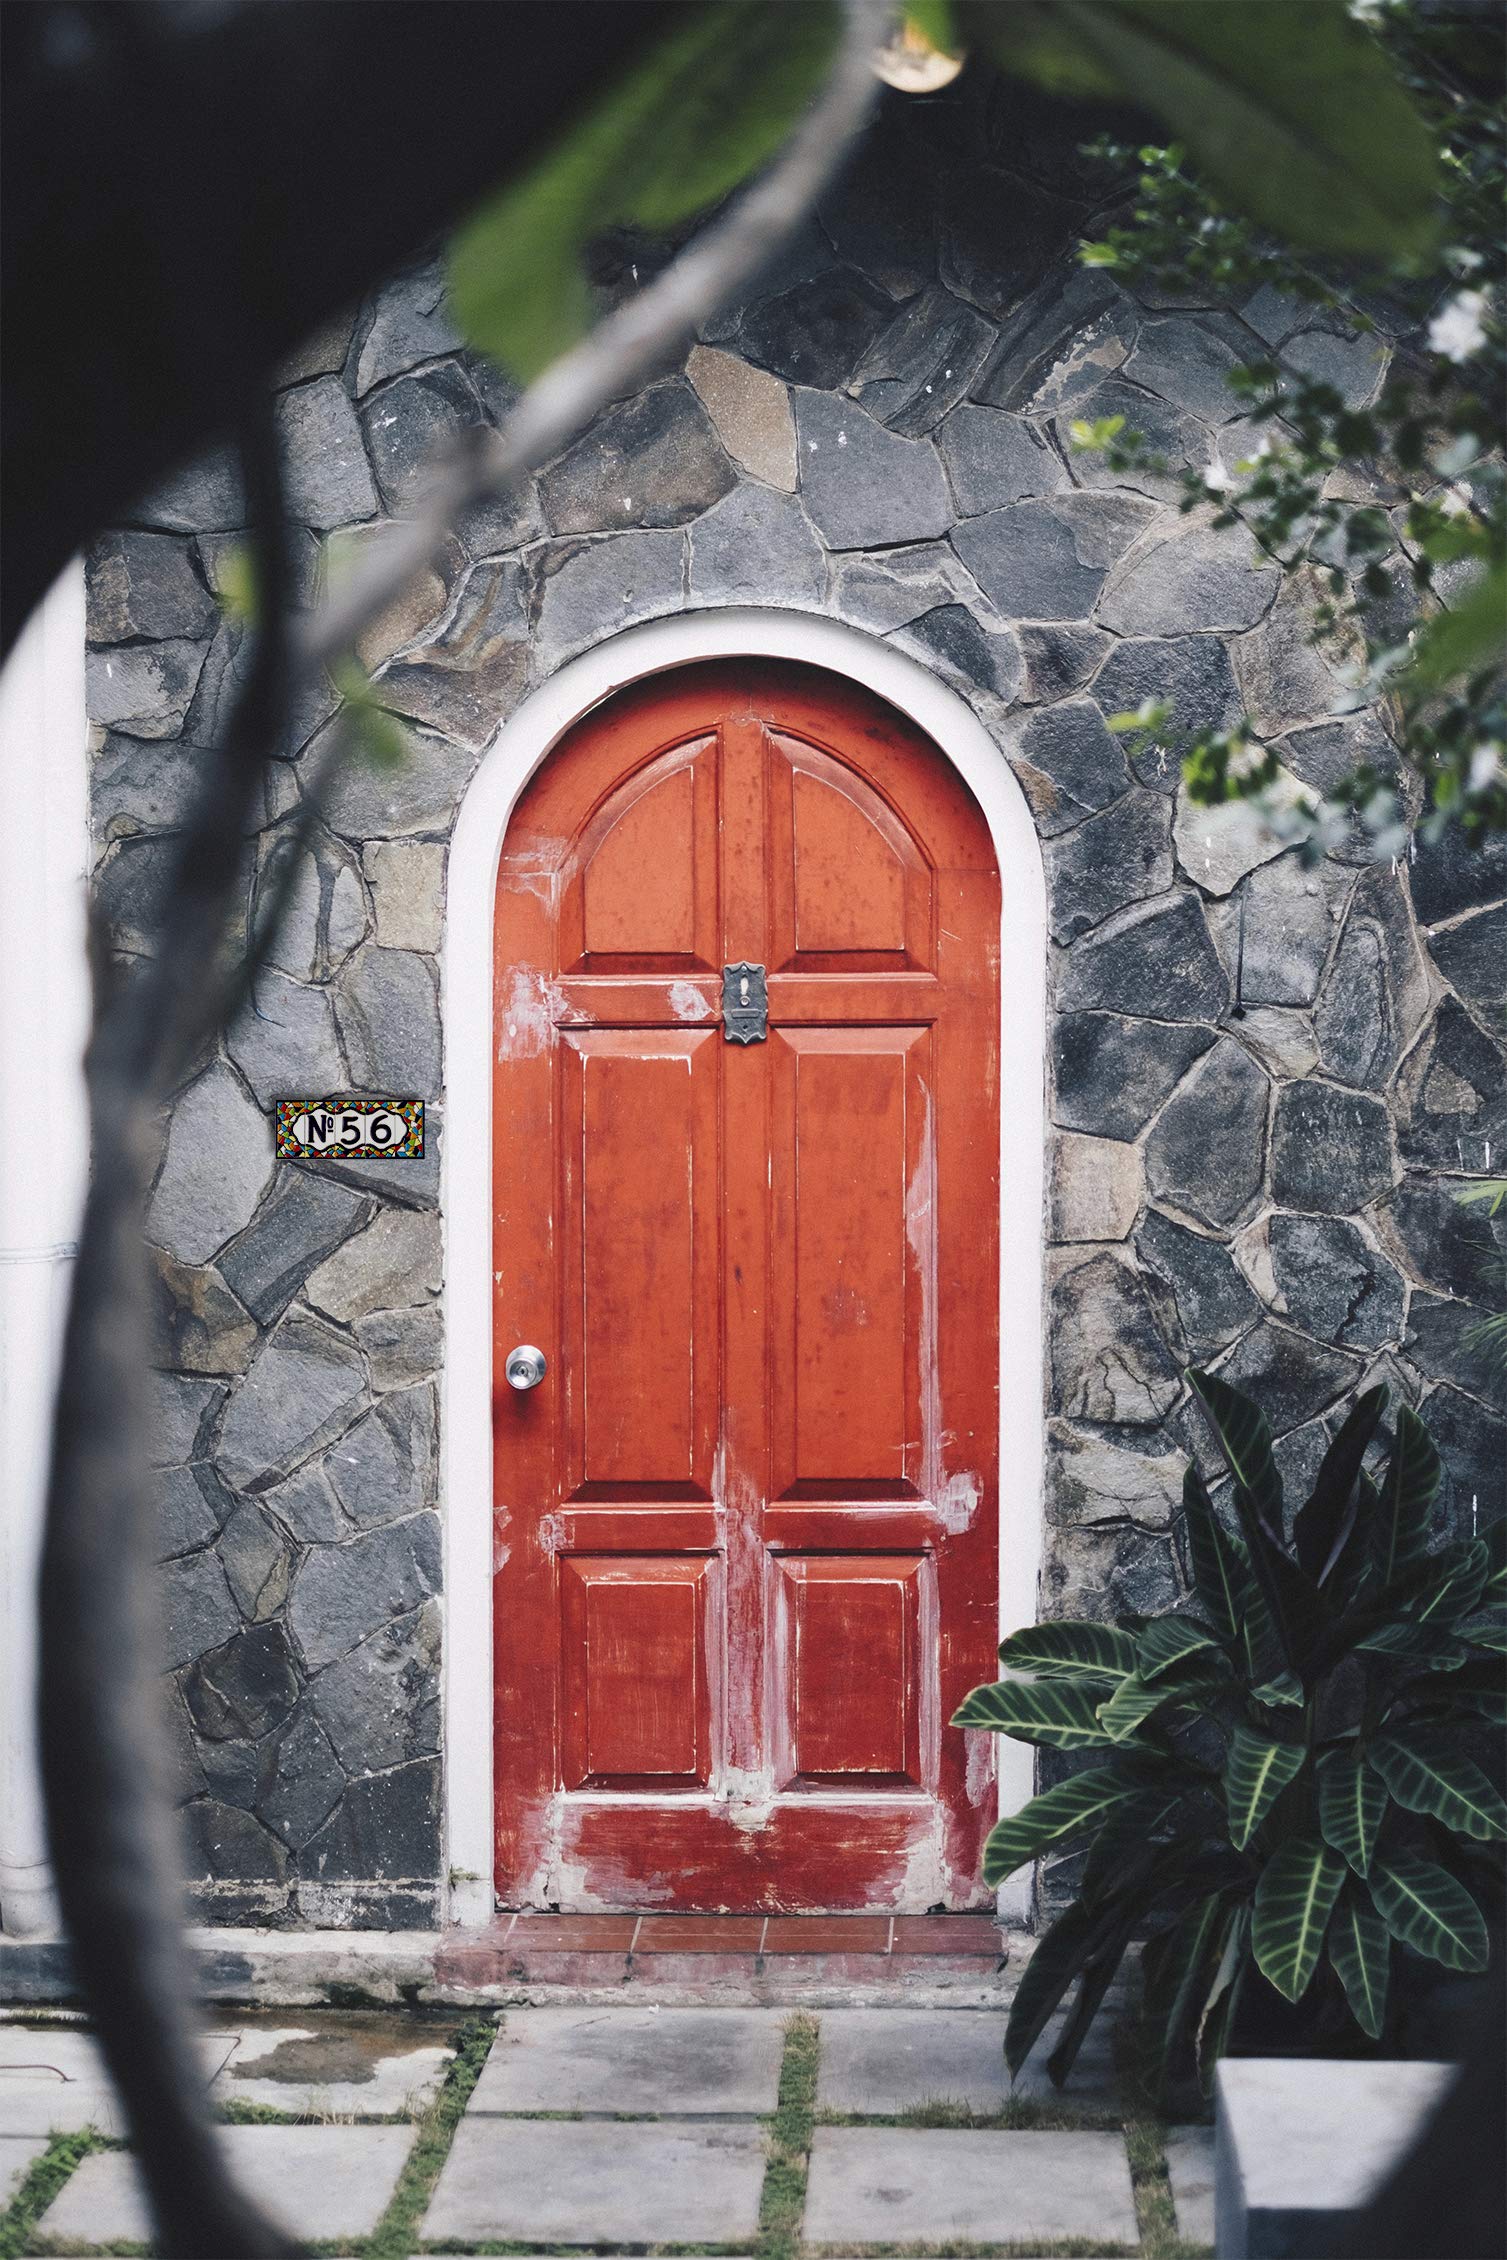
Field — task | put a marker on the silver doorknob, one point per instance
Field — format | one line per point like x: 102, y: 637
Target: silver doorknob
x: 526, y: 1367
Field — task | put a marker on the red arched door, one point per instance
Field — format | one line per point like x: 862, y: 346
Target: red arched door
x: 746, y: 1527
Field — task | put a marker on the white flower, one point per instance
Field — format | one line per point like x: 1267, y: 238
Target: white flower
x: 1456, y: 330
x: 1485, y: 766
x: 1217, y: 478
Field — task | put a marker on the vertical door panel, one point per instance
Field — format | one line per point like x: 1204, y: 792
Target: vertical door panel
x: 634, y: 1646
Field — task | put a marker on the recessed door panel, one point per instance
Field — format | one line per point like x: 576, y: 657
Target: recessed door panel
x: 746, y: 1525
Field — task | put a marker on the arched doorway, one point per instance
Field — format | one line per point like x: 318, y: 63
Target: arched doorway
x: 746, y: 1171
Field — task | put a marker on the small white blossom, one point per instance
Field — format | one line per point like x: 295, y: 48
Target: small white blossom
x: 1217, y: 479
x: 1485, y: 766
x: 1456, y: 330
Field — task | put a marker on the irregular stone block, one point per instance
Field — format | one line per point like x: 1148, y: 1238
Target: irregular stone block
x: 197, y: 1610
x: 181, y: 1416
x: 131, y: 892
x: 945, y: 2184
x: 1331, y: 1149
x: 895, y: 586
x: 1096, y: 1188
x: 1190, y: 580
x: 258, y: 1562
x: 1184, y: 359
x: 1285, y: 677
x: 394, y: 1264
x: 1171, y: 443
x: 1066, y: 337
x: 302, y: 1390
x: 469, y: 678
x: 1090, y: 1480
x: 225, y: 1842
x: 652, y: 461
x: 1290, y: 1377
x: 387, y: 1009
x: 244, y: 1688
x: 1472, y: 1443
x: 307, y: 1216
x: 818, y: 331
x: 1452, y: 1098
x: 217, y: 1165
x: 863, y: 486
x: 1158, y: 954
x: 1218, y: 847
x: 284, y: 1042
x: 756, y: 547
x: 307, y: 1507
x: 1290, y: 920
x: 1282, y: 1040
x: 1473, y: 959
x: 1111, y: 1074
x: 326, y: 478
x: 407, y: 883
x: 301, y: 1781
x: 1333, y: 1281
x: 1303, y: 2145
x: 412, y: 425
x: 143, y: 688
x: 1210, y: 1299
x: 139, y: 786
x: 1354, y: 1020
x: 402, y: 1346
x: 593, y: 588
x: 1109, y: 1362
x: 324, y: 915
x: 1452, y: 873
x: 410, y: 322
x: 552, y: 2180
x: 992, y: 458
x: 204, y: 494
x: 1117, y: 857
x: 1207, y: 1153
x: 923, y: 363
x: 970, y: 654
x: 419, y: 603
x: 1047, y: 559
x: 1103, y: 1571
x: 422, y: 794
x: 1444, y: 1341
x: 751, y: 412
x: 186, y: 1520
x: 383, y: 1468
x: 1000, y: 232
x: 145, y: 585
x: 201, y: 1326
x: 1067, y: 761
x: 380, y: 1704
x: 686, y: 2061
x: 1446, y: 1246
x: 385, y: 1828
x: 344, y: 1593
x: 1354, y: 366
x: 1059, y: 658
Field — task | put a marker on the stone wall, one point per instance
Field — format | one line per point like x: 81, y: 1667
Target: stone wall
x: 882, y: 436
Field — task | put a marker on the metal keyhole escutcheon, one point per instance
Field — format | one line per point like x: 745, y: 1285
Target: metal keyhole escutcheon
x: 526, y: 1367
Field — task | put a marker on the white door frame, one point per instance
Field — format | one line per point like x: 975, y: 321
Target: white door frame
x: 466, y: 1172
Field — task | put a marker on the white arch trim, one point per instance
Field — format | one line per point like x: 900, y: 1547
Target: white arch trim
x: 466, y: 1003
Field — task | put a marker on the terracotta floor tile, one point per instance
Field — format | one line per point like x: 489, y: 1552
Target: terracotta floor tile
x: 699, y: 1934
x: 572, y: 1934
x: 827, y: 1934
x: 946, y: 1934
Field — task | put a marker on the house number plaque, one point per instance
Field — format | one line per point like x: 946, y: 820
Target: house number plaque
x: 745, y: 1004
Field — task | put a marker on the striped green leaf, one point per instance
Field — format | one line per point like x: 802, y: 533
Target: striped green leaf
x: 1256, y: 1772
x: 1428, y: 1777
x: 1246, y: 1442
x: 1169, y: 1641
x: 1075, y: 1940
x: 1407, y: 1496
x: 1298, y: 1887
x: 1423, y: 1906
x: 1414, y: 1644
x: 1067, y: 1647
x: 1352, y: 1800
x: 1081, y: 1802
x: 1360, y: 1947
x: 1134, y: 1700
x: 1285, y: 1692
x: 1057, y: 1714
x: 1455, y: 1587
x: 1488, y: 1630
x: 1219, y: 1573
x: 1320, y: 1528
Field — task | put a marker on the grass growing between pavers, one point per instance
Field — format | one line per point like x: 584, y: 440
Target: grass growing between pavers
x: 782, y: 2203
x: 396, y: 2234
x: 39, y: 2187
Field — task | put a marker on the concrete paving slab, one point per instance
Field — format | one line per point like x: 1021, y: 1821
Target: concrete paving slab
x: 319, y: 2182
x: 57, y: 2106
x: 894, y: 2185
x: 1303, y: 2142
x: 1190, y: 2170
x: 356, y: 2067
x: 889, y: 2060
x: 682, y: 2062
x: 18, y: 2154
x: 582, y: 2181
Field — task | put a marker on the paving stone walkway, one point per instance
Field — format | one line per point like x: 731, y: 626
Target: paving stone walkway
x: 619, y: 2129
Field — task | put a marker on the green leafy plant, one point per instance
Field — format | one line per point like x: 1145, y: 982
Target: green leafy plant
x: 1279, y: 1770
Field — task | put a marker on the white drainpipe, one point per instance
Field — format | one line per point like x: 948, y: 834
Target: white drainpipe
x: 44, y: 1012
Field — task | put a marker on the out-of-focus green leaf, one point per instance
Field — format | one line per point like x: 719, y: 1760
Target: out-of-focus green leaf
x: 1292, y: 108
x: 1456, y: 643
x: 711, y: 103
x: 936, y: 22
x: 235, y: 578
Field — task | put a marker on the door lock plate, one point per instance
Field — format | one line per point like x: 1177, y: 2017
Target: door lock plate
x: 745, y: 1004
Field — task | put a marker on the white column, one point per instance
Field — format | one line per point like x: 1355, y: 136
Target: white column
x: 44, y: 1008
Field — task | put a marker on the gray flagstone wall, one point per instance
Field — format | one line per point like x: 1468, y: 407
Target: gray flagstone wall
x: 881, y: 435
